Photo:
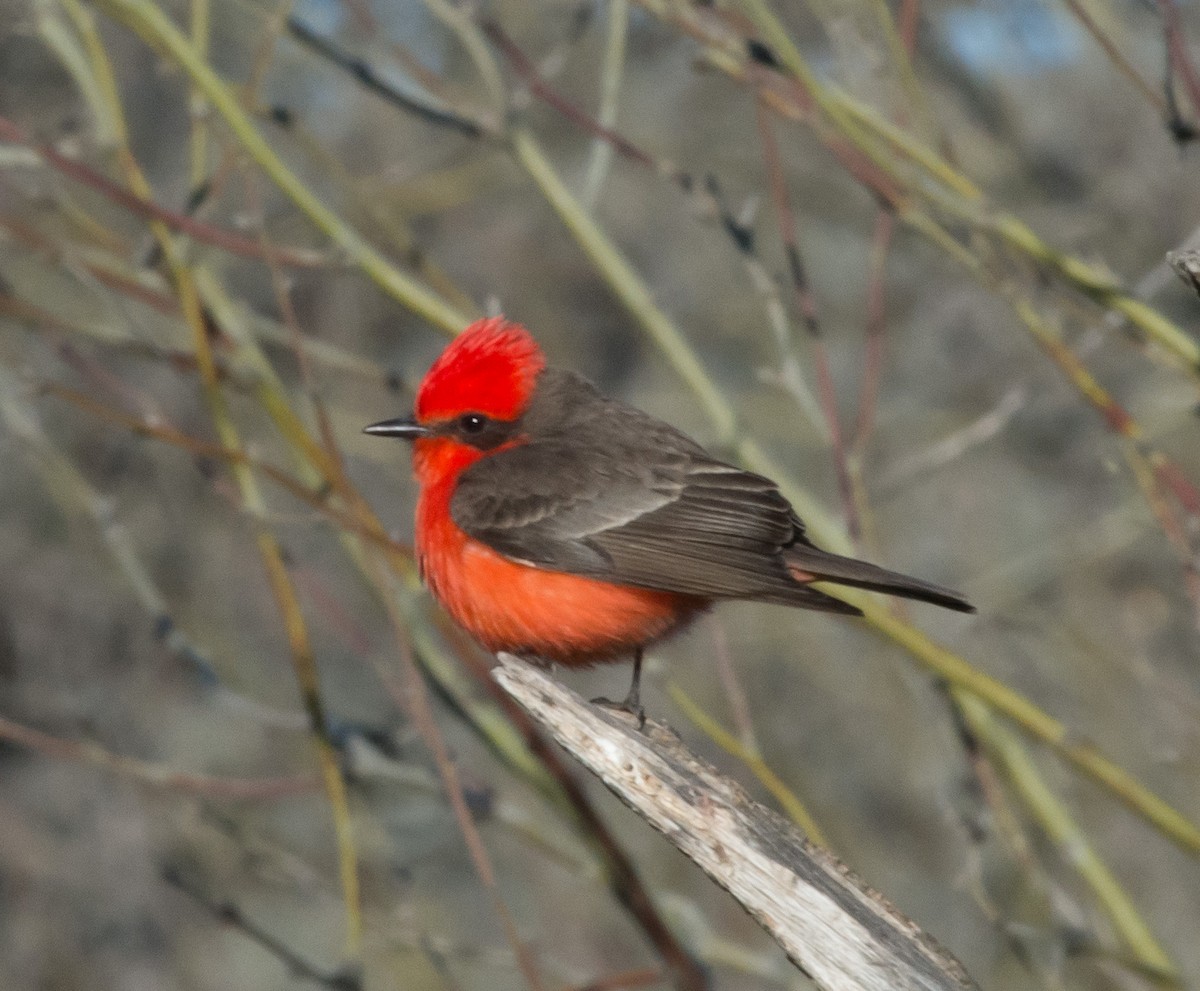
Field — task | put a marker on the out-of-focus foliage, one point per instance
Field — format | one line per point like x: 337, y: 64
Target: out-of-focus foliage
x: 906, y: 256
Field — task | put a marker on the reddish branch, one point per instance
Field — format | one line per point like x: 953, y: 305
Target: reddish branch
x: 219, y: 238
x: 806, y: 305
x: 529, y: 76
x: 1177, y: 52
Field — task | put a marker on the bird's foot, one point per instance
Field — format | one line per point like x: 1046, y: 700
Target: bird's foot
x: 629, y: 704
x: 633, y: 699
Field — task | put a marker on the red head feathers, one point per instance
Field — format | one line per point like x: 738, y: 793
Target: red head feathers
x: 490, y: 368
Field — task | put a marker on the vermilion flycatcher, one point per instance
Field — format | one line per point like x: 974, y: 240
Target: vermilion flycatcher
x: 557, y: 523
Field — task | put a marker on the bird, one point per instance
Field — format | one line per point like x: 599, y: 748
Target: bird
x: 564, y: 526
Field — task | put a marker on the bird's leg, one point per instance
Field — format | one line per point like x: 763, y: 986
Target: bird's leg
x: 633, y: 699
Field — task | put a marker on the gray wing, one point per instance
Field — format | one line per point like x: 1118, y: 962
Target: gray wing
x: 654, y: 511
x: 610, y: 492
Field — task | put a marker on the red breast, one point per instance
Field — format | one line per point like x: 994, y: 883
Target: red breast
x: 514, y: 607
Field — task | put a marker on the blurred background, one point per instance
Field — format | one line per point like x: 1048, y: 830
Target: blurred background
x: 907, y: 257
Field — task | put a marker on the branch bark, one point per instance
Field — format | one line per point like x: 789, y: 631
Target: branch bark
x: 838, y: 931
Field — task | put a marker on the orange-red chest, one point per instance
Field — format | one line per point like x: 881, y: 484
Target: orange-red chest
x: 507, y: 605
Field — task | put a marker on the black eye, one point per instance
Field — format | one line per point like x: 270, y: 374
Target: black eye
x: 472, y: 423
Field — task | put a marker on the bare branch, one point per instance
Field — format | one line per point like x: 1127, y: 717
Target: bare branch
x: 845, y: 936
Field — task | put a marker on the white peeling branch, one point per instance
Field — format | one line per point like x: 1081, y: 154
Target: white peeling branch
x: 845, y: 936
x: 1186, y: 263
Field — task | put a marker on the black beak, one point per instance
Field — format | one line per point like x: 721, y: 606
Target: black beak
x: 405, y: 428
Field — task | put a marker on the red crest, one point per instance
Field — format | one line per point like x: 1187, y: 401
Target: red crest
x: 490, y: 368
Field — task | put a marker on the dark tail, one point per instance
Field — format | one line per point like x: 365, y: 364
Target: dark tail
x: 808, y: 563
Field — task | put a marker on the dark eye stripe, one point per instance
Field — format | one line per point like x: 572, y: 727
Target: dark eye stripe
x: 480, y: 431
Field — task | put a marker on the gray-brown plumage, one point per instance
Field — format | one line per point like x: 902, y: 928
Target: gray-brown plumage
x: 609, y: 492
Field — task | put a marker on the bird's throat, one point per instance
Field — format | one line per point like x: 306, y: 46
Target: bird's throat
x: 439, y: 459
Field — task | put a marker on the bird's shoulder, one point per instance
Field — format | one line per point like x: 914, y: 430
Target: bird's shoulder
x: 569, y: 411
x: 581, y: 462
x: 588, y: 463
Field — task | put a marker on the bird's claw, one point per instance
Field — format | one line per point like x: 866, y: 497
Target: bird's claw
x: 629, y: 705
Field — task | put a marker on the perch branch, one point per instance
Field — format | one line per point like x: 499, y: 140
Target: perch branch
x: 845, y: 936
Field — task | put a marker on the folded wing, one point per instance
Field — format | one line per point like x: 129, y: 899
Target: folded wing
x: 654, y: 511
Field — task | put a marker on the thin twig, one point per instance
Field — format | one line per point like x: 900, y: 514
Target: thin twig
x: 227, y: 913
x: 412, y: 694
x: 1079, y: 8
x: 1180, y: 62
x: 225, y: 240
x: 600, y: 157
x: 154, y: 27
x: 805, y: 304
x: 366, y: 76
x: 158, y: 775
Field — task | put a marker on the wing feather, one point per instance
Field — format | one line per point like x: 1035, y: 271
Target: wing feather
x: 693, y: 526
x: 603, y: 490
x: 606, y: 491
